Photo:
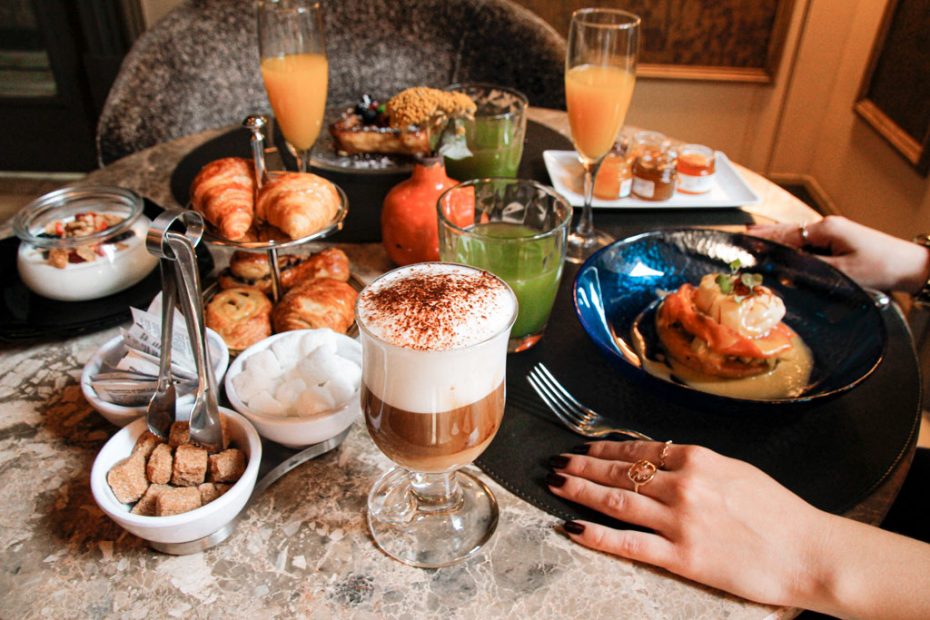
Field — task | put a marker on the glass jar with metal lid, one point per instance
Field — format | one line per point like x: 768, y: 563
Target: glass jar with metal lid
x: 83, y: 242
x: 654, y: 175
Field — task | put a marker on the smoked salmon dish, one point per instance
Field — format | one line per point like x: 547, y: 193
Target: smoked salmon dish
x: 729, y: 326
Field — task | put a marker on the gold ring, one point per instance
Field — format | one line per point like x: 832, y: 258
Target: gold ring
x: 641, y: 472
x: 805, y: 236
x: 664, y: 454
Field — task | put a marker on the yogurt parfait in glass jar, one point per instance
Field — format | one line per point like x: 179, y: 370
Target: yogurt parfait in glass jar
x: 81, y: 243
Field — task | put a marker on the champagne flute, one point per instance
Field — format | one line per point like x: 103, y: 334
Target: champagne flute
x: 294, y: 69
x: 600, y: 72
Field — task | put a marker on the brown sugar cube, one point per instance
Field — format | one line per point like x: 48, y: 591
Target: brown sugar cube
x: 190, y: 466
x: 227, y: 466
x: 146, y: 506
x: 179, y: 434
x: 158, y: 467
x: 173, y: 501
x: 209, y: 491
x: 146, y: 443
x: 127, y: 478
x: 224, y: 425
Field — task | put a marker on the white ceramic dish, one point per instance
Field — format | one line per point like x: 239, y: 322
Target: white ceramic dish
x: 730, y: 190
x: 113, y: 350
x: 291, y: 431
x: 187, y: 526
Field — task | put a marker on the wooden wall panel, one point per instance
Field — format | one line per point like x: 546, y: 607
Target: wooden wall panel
x: 738, y: 40
x: 895, y: 94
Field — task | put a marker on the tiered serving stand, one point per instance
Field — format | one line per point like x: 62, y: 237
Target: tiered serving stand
x: 277, y: 460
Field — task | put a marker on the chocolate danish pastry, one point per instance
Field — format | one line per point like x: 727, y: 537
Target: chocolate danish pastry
x: 242, y: 316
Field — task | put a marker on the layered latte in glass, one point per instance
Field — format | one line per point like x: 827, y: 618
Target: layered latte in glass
x: 434, y: 355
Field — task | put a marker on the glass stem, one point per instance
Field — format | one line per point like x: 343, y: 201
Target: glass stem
x: 585, y: 227
x: 436, y: 492
x: 303, y: 160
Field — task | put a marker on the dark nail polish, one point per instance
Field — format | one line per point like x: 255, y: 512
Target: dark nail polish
x: 559, y: 461
x: 555, y: 480
x: 573, y: 527
x: 582, y: 449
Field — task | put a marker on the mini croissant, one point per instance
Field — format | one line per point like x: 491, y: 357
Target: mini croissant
x: 298, y: 203
x: 224, y: 192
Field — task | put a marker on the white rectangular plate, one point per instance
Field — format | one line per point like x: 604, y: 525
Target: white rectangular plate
x: 730, y: 190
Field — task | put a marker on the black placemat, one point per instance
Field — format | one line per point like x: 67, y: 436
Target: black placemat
x: 833, y: 454
x: 366, y: 191
x: 27, y: 316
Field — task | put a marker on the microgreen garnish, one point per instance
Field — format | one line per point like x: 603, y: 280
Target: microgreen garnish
x: 741, y: 285
x: 725, y: 283
x: 735, y: 264
x: 751, y: 280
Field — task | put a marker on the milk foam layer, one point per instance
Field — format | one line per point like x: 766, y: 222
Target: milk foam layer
x: 436, y: 307
x: 399, y: 369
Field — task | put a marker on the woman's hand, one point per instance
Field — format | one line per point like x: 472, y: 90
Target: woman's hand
x: 870, y: 257
x: 725, y: 523
x: 715, y: 520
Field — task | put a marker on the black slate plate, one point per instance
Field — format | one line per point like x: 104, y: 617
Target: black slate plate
x: 833, y: 453
x: 366, y: 192
x: 27, y: 316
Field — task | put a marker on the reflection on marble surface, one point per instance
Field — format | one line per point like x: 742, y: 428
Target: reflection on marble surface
x: 302, y: 549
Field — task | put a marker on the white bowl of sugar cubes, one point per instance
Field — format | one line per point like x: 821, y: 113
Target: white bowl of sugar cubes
x: 299, y: 387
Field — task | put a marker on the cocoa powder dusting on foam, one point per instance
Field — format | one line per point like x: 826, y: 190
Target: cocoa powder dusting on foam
x: 426, y: 308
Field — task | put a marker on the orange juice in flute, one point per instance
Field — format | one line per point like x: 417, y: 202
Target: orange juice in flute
x: 294, y: 69
x: 600, y: 72
x: 296, y: 86
x: 598, y: 98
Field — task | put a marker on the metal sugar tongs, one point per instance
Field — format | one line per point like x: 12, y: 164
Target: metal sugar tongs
x: 205, y: 428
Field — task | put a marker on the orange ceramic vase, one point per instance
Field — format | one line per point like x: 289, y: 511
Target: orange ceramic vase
x: 409, y: 224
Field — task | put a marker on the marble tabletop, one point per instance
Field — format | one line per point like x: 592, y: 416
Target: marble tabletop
x: 302, y: 549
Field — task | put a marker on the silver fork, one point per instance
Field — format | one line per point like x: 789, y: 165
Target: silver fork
x: 573, y: 414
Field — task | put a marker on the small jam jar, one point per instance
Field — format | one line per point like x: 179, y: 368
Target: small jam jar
x: 654, y: 175
x: 615, y: 178
x: 646, y: 141
x: 696, y: 167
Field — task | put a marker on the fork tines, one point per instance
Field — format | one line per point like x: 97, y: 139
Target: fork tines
x: 559, y: 401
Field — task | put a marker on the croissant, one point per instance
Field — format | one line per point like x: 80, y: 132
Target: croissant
x: 299, y: 203
x: 251, y: 269
x: 224, y: 192
x: 321, y: 302
x: 242, y: 316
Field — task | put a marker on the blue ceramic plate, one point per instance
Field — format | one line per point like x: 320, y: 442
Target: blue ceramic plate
x: 618, y: 289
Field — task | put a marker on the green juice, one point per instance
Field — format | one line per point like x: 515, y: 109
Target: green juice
x: 532, y: 268
x: 496, y: 144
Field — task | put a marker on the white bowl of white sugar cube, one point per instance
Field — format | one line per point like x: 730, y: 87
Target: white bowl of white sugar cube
x: 299, y: 387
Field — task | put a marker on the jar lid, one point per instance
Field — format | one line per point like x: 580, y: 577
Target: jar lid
x: 696, y: 148
x: 65, y: 204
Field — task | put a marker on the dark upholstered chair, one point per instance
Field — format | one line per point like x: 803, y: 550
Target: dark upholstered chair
x: 197, y: 68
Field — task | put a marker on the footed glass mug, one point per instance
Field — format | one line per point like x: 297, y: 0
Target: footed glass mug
x: 434, y: 358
